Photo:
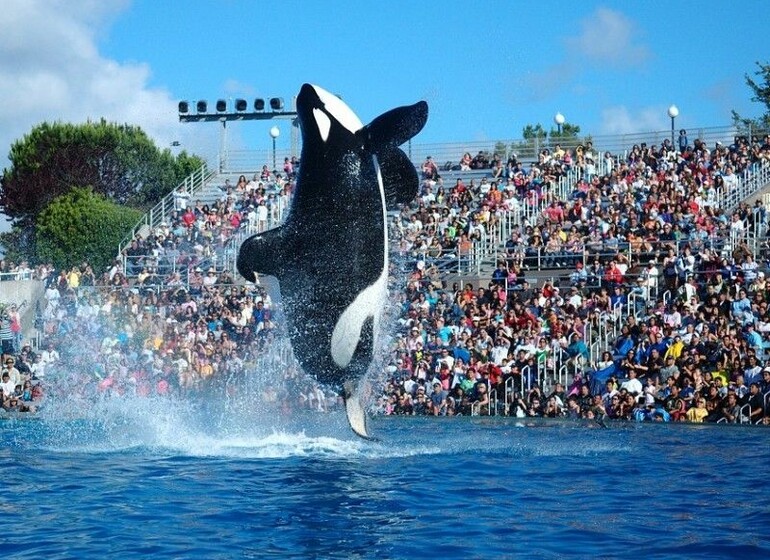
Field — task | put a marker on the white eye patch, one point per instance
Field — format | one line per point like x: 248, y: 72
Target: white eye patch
x: 323, y: 123
x: 339, y: 110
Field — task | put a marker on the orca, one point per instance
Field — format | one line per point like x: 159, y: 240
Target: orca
x: 330, y: 256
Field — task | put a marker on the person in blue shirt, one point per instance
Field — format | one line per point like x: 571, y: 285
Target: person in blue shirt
x: 753, y: 338
x: 618, y: 297
x: 741, y: 309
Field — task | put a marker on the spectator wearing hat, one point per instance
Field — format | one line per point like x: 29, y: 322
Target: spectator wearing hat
x: 438, y: 400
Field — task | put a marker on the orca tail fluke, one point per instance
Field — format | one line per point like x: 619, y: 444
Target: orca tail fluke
x: 354, y: 409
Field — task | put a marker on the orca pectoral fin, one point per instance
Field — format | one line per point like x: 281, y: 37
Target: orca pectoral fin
x: 261, y: 253
x: 354, y: 409
x: 399, y: 177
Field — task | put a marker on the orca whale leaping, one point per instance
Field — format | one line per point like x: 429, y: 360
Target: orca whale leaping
x: 331, y: 254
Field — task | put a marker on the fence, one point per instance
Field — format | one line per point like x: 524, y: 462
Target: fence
x: 163, y: 209
x: 529, y: 149
x: 448, y: 154
x: 220, y: 256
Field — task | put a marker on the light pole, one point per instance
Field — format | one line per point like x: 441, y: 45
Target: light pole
x: 558, y: 118
x: 673, y: 112
x: 275, y: 132
x: 239, y: 110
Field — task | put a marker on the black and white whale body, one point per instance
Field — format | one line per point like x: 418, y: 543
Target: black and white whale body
x: 331, y: 254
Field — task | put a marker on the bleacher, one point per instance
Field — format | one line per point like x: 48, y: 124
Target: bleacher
x: 206, y: 185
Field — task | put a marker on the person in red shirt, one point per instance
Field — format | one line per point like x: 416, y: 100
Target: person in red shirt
x: 612, y: 274
x: 188, y: 218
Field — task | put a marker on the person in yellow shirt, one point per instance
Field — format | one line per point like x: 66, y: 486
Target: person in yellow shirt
x: 73, y: 278
x: 699, y: 412
x: 675, y: 350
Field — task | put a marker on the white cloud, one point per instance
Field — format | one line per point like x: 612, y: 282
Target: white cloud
x: 608, y: 36
x: 51, y: 70
x: 240, y: 89
x: 542, y: 85
x: 619, y: 120
x: 607, y: 39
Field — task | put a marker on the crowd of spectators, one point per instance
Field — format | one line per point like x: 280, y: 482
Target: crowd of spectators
x: 171, y: 340
x: 640, y: 233
x: 167, y: 327
x: 162, y: 326
x: 195, y: 234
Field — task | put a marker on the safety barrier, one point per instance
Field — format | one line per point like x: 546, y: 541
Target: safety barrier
x: 163, y: 209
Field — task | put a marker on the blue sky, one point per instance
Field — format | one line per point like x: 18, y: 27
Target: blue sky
x: 486, y: 69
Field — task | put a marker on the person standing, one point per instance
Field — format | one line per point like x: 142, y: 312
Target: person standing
x: 6, y: 334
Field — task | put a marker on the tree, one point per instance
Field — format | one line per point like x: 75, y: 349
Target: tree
x: 82, y: 225
x: 118, y: 161
x: 536, y: 138
x: 568, y: 135
x: 761, y: 90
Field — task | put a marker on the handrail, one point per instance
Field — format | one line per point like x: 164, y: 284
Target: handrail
x: 191, y: 184
x: 750, y: 182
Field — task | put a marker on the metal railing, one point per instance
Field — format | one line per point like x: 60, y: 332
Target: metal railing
x: 221, y: 257
x: 163, y: 209
x: 484, y: 254
x: 19, y: 275
x: 529, y: 149
x: 750, y: 182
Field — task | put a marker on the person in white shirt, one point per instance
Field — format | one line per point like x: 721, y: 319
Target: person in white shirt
x: 632, y: 384
x: 38, y: 367
x: 49, y: 355
x: 500, y: 350
x: 7, y: 385
x: 181, y: 197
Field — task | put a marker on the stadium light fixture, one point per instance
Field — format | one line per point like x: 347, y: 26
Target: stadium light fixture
x: 240, y: 109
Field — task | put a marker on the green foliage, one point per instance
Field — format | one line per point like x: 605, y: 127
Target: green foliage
x: 536, y: 138
x: 82, y: 225
x: 18, y: 243
x: 761, y: 91
x: 569, y: 135
x: 162, y: 176
x: 118, y: 161
x: 535, y: 132
x: 501, y: 149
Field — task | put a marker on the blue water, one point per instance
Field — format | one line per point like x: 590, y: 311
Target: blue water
x: 139, y: 479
